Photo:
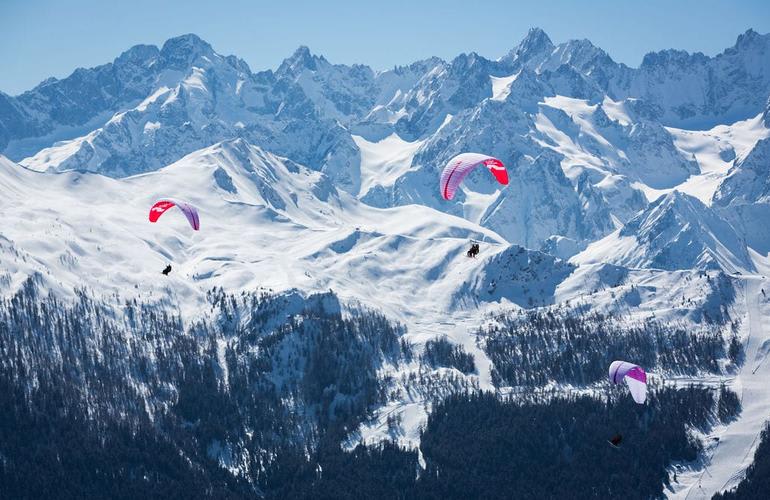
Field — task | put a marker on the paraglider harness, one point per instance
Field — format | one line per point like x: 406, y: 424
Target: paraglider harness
x: 474, y: 251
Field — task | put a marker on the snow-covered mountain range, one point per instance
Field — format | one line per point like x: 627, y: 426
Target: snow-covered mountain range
x: 636, y: 191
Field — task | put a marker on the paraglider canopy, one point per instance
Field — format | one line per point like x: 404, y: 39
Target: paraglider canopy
x: 161, y: 206
x: 634, y: 376
x: 461, y: 165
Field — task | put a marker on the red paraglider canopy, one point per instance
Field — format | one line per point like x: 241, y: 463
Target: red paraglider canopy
x: 461, y: 165
x: 190, y: 212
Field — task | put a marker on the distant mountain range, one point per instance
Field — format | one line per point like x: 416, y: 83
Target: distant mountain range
x: 606, y: 122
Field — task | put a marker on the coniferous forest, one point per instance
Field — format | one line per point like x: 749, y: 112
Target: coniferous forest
x: 534, y: 347
x: 104, y: 398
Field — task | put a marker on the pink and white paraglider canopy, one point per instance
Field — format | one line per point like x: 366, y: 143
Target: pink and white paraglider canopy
x: 462, y: 164
x: 161, y: 206
x: 633, y: 375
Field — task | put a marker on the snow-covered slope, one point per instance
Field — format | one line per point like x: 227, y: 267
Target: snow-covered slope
x: 730, y: 448
x: 266, y: 221
x: 516, y: 275
x: 744, y: 195
x: 675, y: 232
x: 748, y: 181
x: 716, y: 150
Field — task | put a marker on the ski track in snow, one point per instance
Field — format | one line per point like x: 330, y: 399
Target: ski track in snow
x: 730, y: 448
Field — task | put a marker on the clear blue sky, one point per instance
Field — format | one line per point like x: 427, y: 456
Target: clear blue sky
x: 42, y: 38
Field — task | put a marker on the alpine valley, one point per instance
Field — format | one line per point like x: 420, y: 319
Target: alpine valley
x: 324, y: 334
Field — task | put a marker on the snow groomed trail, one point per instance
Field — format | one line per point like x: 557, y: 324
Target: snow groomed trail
x: 730, y: 449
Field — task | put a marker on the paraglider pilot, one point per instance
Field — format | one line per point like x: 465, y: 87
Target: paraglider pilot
x: 167, y: 270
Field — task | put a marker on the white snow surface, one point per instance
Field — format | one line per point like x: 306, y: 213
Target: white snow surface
x: 501, y: 86
x: 385, y: 161
x: 730, y: 448
x: 715, y: 151
x: 675, y: 232
x: 265, y: 221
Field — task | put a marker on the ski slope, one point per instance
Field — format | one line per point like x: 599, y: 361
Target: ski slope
x: 730, y: 448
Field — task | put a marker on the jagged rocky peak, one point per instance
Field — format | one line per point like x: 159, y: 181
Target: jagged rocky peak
x: 140, y: 55
x: 528, y: 89
x: 671, y: 57
x: 535, y: 44
x: 750, y: 39
x: 465, y: 61
x: 582, y: 54
x: 182, y: 51
x: 301, y: 59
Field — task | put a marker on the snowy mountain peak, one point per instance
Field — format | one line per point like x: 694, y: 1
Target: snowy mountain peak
x: 535, y: 45
x: 749, y: 179
x: 750, y: 39
x: 585, y: 57
x: 674, y: 203
x: 301, y: 59
x: 536, y: 40
x: 677, y: 231
x: 138, y: 55
x: 180, y: 52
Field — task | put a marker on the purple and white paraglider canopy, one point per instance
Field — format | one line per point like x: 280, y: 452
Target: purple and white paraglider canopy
x: 634, y: 377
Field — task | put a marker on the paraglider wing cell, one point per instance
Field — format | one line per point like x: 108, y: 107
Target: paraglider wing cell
x: 634, y: 377
x: 498, y: 170
x: 636, y: 380
x: 189, y: 211
x: 461, y: 165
